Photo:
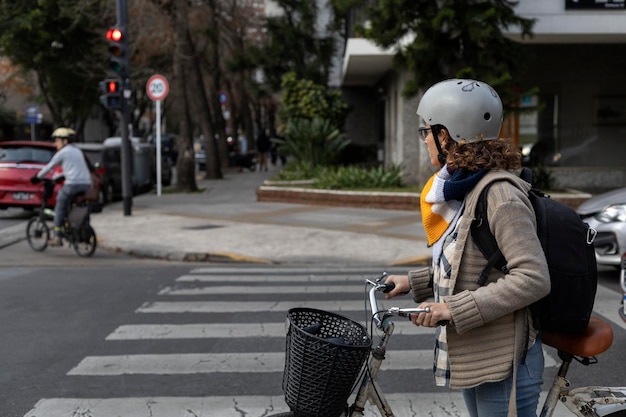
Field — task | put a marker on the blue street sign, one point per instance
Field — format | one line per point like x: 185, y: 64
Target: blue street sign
x: 223, y: 97
x: 32, y: 114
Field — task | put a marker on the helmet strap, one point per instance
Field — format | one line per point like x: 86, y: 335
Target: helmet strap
x: 441, y: 156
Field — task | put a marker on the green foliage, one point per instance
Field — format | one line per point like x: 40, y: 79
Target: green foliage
x: 343, y: 177
x: 295, y: 44
x: 312, y: 142
x: 297, y: 171
x: 63, y: 43
x: 452, y: 38
x: 351, y: 177
x: 303, y: 99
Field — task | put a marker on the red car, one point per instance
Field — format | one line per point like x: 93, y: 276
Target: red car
x: 19, y: 161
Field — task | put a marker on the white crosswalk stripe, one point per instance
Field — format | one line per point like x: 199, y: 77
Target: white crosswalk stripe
x: 218, y: 330
x: 194, y: 363
x: 250, y: 306
x: 202, y: 294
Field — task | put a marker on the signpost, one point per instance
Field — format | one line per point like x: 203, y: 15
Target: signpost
x: 157, y: 89
x: 33, y: 117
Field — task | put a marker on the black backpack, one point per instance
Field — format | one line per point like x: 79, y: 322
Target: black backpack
x: 567, y: 242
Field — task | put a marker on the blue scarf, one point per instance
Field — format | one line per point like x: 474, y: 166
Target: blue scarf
x: 442, y: 198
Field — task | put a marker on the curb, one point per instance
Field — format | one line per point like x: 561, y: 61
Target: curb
x: 362, y: 199
x: 270, y: 192
x: 182, y: 256
x: 423, y: 260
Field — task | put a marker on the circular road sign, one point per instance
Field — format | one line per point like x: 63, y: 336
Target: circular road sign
x: 157, y: 87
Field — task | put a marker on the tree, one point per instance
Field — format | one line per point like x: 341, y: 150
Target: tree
x: 192, y: 99
x: 450, y: 38
x: 295, y: 43
x: 63, y: 44
x: 303, y: 99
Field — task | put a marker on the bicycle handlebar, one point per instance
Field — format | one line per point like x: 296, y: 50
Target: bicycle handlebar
x: 378, y: 315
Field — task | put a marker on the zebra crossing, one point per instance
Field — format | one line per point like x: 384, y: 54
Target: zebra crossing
x: 232, y: 321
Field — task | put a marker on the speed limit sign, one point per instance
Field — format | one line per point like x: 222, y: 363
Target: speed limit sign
x: 157, y: 87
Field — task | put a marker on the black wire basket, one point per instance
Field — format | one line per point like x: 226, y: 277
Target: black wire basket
x: 324, y: 356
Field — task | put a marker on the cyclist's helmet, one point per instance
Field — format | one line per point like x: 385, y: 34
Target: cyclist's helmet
x: 468, y: 109
x: 64, y: 133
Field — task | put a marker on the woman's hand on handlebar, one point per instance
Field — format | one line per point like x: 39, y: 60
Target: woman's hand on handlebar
x: 402, y: 285
x: 439, y: 315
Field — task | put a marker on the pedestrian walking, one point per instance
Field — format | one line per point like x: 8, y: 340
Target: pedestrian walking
x: 488, y: 345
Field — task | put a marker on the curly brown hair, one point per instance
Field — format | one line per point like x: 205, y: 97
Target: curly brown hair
x: 484, y: 154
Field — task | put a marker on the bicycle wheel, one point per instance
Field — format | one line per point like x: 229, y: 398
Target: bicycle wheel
x: 86, y: 242
x: 37, y: 234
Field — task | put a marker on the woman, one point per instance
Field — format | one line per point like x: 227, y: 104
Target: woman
x: 488, y: 346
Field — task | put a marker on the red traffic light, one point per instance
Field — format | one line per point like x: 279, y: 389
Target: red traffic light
x: 112, y: 87
x: 115, y: 34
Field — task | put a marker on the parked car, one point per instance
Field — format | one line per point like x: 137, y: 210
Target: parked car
x: 19, y: 161
x: 109, y: 172
x: 107, y: 158
x: 606, y: 213
x: 169, y: 147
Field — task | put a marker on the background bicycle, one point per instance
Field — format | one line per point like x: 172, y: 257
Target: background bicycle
x: 77, y: 230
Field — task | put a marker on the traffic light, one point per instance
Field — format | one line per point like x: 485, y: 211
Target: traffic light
x: 112, y: 96
x: 118, y: 58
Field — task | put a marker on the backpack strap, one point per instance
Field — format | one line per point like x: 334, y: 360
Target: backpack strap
x: 485, y: 240
x: 527, y: 175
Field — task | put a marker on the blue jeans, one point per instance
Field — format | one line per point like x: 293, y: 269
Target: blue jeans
x: 64, y: 197
x: 492, y: 398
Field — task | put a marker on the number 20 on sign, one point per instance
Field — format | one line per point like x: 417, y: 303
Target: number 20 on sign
x: 157, y: 87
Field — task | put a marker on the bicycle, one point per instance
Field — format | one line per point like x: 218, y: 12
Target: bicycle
x: 76, y: 228
x: 590, y: 401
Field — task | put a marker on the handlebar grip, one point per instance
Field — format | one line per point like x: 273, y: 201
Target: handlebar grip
x: 388, y: 287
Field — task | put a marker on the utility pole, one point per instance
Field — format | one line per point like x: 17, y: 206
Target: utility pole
x: 117, y: 94
x: 124, y: 72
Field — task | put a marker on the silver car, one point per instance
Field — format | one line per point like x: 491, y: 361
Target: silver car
x: 607, y: 214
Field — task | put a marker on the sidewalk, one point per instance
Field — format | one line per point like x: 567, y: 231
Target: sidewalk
x: 225, y: 223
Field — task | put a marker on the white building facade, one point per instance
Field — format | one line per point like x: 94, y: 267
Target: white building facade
x: 579, y: 70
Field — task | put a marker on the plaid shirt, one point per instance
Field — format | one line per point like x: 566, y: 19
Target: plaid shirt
x: 441, y: 283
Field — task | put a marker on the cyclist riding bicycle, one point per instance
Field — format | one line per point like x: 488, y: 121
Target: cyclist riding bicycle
x: 75, y: 171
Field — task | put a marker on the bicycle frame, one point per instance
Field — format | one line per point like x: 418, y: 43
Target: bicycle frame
x: 369, y: 389
x: 588, y: 401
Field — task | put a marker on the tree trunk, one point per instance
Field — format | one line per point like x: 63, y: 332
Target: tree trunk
x: 214, y: 86
x: 185, y: 164
x: 196, y: 91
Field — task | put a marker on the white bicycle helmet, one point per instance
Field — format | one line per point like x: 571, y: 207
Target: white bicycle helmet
x: 64, y: 133
x: 468, y: 109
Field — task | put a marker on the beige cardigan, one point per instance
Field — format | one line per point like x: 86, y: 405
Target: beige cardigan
x: 490, y: 321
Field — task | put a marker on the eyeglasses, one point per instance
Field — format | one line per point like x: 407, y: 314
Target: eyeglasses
x: 423, y: 132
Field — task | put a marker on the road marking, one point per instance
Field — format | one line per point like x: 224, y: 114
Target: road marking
x: 227, y: 330
x: 298, y: 270
x: 200, y: 363
x: 254, y: 306
x: 433, y: 404
x: 265, y: 289
x: 276, y: 278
